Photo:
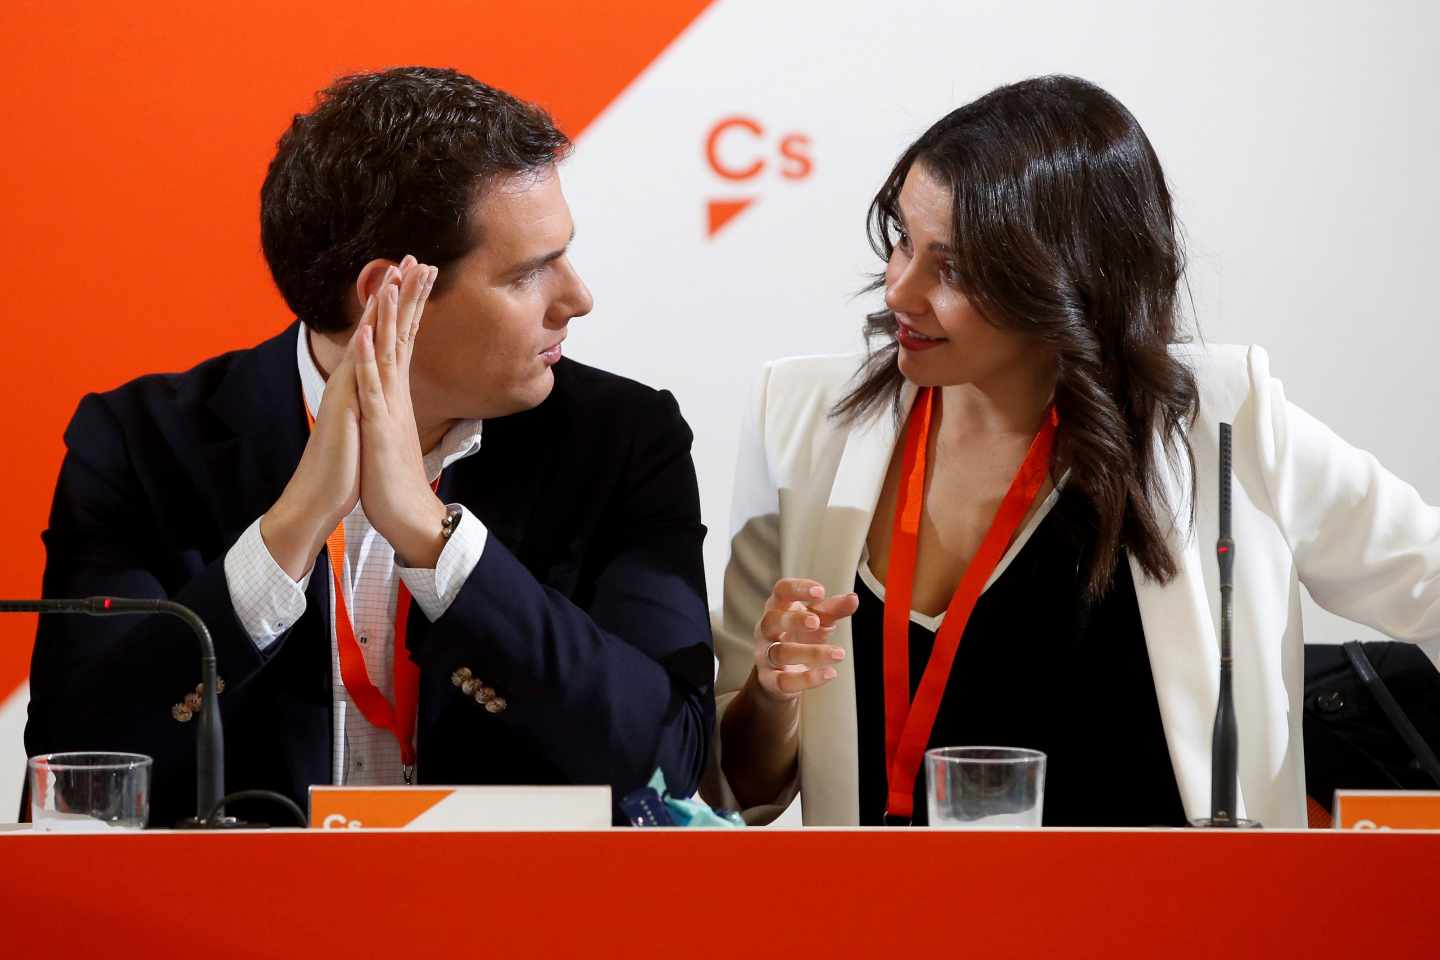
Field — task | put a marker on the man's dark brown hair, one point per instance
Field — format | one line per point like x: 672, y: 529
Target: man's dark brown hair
x: 388, y: 164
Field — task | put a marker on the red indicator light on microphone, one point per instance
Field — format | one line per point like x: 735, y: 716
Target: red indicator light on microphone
x: 107, y: 603
x: 1224, y: 549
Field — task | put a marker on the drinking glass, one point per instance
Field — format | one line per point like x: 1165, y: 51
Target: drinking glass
x: 984, y: 787
x: 89, y: 792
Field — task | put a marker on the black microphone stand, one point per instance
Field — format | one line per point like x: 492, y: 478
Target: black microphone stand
x: 1224, y: 746
x: 210, y: 795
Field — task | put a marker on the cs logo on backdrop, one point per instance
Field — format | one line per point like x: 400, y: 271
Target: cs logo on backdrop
x: 745, y: 155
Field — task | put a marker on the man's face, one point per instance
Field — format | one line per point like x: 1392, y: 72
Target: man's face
x: 488, y: 341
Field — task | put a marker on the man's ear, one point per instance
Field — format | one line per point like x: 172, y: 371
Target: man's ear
x: 368, y: 283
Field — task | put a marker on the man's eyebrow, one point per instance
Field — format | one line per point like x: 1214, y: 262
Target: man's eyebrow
x: 545, y: 259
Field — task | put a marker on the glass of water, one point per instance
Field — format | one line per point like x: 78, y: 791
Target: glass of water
x: 89, y: 792
x: 985, y: 787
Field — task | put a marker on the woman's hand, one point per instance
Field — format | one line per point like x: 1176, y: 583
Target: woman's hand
x: 792, y: 654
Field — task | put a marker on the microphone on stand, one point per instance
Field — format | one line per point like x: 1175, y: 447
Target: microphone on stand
x: 210, y: 795
x: 1224, y: 750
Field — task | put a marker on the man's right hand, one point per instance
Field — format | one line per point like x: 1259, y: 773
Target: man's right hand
x: 326, y: 485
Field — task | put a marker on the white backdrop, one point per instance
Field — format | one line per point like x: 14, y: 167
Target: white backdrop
x: 1300, y: 140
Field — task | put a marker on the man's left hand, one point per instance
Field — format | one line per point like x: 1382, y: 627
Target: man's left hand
x: 394, y: 489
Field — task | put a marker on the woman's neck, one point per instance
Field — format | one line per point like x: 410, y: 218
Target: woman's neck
x: 1012, y: 402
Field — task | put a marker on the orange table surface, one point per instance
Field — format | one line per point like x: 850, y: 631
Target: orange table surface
x: 740, y: 894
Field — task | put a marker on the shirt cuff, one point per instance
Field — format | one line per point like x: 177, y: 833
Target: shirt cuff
x: 266, y: 601
x: 434, y: 590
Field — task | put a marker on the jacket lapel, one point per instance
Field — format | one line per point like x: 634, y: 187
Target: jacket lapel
x: 243, y: 465
x: 1184, y: 647
x: 260, y: 406
x: 829, y: 712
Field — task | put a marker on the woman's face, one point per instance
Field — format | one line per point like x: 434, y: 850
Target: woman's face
x: 944, y: 340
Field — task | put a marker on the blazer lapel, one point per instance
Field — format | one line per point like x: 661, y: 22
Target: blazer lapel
x: 260, y: 405
x: 246, y: 465
x: 828, y: 722
x: 1184, y: 648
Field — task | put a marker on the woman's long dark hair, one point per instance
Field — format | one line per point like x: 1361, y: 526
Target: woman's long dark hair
x: 1063, y: 230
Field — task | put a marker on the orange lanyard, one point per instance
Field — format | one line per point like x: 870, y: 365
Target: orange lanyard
x: 398, y: 718
x: 908, y: 726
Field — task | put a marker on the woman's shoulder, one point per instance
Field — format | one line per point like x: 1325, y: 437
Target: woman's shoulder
x: 805, y: 384
x: 1227, y: 374
x: 834, y: 369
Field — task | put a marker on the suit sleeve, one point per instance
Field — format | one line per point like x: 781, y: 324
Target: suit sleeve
x: 110, y: 682
x: 609, y: 692
x: 1366, y: 545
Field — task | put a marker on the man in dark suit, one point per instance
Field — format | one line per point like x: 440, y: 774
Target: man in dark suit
x: 472, y: 561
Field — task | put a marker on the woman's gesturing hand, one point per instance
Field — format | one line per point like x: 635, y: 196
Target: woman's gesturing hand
x: 792, y: 652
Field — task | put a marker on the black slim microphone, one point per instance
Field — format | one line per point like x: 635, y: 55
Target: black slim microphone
x: 1224, y: 749
x: 210, y: 739
x: 1223, y: 745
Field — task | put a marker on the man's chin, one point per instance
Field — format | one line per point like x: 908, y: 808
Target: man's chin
x: 541, y: 388
x: 529, y: 395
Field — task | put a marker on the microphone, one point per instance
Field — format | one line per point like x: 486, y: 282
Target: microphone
x: 1224, y: 746
x: 210, y: 798
x: 210, y: 738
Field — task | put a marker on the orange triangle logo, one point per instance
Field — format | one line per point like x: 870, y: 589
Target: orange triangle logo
x: 721, y: 212
x: 377, y: 807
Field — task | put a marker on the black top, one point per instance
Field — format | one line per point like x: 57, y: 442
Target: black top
x: 1041, y: 667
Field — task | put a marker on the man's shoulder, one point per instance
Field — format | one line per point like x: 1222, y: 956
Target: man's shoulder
x: 587, y: 392
x: 200, y: 382
x: 584, y: 381
x: 180, y: 386
x: 160, y: 399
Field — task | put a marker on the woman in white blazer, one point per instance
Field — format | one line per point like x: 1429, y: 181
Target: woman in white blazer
x: 1032, y: 269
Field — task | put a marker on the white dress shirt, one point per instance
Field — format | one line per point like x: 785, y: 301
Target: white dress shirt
x: 267, y: 602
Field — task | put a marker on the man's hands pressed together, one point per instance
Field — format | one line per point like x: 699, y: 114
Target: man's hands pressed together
x: 364, y: 446
x: 394, y: 489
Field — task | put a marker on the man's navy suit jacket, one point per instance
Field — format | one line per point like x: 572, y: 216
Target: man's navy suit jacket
x: 586, y: 611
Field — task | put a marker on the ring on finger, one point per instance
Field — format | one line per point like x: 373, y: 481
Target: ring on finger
x: 770, y: 655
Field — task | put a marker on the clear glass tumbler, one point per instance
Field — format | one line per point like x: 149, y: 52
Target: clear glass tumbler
x: 985, y: 787
x: 85, y: 792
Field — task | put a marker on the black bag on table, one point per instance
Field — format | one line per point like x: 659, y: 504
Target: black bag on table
x: 1372, y: 719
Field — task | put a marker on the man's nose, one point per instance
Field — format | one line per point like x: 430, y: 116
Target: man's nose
x: 576, y: 300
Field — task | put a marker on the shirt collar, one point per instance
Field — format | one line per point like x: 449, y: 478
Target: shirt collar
x: 460, y: 441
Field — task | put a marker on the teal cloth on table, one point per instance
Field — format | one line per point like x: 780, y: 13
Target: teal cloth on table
x: 693, y: 812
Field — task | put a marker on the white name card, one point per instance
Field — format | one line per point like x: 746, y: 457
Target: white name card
x: 460, y: 808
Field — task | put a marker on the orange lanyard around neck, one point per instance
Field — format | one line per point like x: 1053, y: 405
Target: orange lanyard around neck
x: 908, y: 726
x: 398, y: 718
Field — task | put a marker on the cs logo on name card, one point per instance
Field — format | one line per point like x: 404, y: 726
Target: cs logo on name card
x: 460, y: 808
x: 740, y: 150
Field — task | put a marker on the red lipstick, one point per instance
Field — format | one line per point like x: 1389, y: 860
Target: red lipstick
x: 911, y: 339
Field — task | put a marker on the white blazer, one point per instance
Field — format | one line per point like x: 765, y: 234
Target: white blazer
x: 1307, y: 508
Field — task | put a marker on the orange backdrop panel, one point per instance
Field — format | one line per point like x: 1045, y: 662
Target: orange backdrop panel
x: 138, y: 135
